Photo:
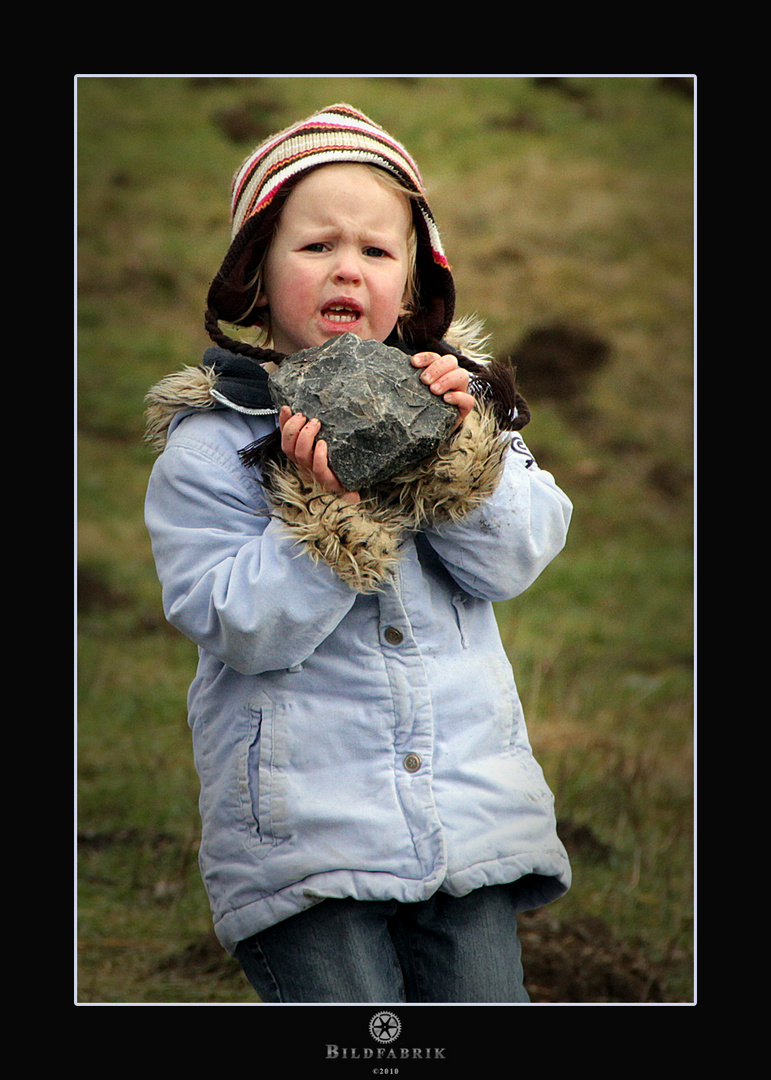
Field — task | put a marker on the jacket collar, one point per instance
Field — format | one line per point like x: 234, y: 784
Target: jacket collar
x: 241, y: 382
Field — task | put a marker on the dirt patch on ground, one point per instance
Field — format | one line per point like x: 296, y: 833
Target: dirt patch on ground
x: 557, y: 362
x: 584, y: 963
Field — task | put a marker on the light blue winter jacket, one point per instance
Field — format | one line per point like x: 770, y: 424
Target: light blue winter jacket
x: 349, y: 743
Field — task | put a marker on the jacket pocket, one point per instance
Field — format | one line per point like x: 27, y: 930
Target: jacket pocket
x: 459, y: 603
x: 262, y: 801
x: 250, y: 781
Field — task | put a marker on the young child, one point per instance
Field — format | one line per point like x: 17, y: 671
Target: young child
x: 372, y: 815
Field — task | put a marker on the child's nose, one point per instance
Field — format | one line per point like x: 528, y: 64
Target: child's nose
x: 347, y: 267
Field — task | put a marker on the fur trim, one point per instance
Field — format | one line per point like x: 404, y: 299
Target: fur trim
x: 467, y: 335
x: 190, y: 388
x: 360, y: 542
x: 457, y: 478
x: 493, y: 381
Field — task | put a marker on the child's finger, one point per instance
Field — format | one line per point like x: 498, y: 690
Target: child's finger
x: 283, y: 418
x: 463, y: 402
x: 290, y: 424
x: 432, y: 363
x: 304, y: 443
x: 297, y: 435
x: 442, y: 372
x: 455, y: 379
x: 326, y: 477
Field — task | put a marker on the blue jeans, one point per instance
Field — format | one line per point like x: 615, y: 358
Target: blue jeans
x: 446, y: 949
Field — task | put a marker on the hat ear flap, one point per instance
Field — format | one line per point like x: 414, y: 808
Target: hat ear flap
x: 434, y: 306
x: 232, y: 293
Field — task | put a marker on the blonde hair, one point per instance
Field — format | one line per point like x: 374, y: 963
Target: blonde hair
x: 409, y: 303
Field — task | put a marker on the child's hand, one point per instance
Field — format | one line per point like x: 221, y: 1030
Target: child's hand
x: 298, y: 441
x: 444, y: 377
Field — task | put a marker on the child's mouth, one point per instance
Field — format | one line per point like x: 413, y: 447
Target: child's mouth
x: 340, y: 313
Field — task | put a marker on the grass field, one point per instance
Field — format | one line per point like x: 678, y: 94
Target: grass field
x: 566, y: 206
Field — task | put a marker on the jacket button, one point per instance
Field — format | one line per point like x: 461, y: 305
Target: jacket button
x: 412, y: 762
x: 393, y: 635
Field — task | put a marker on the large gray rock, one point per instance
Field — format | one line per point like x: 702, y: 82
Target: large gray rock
x: 377, y: 417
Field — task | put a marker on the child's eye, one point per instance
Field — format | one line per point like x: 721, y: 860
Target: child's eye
x: 319, y: 246
x: 375, y: 252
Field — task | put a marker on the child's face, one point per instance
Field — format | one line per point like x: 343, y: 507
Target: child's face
x: 338, y: 262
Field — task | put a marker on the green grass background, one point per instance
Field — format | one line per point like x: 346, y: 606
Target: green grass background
x: 570, y: 202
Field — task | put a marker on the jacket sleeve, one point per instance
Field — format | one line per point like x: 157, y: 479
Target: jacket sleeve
x: 233, y: 579
x: 498, y: 549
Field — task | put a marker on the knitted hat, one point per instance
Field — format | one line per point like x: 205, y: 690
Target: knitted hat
x: 262, y: 184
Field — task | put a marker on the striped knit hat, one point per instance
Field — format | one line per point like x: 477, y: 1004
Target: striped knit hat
x: 262, y: 184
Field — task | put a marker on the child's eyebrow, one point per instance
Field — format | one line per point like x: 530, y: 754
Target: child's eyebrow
x: 375, y: 235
